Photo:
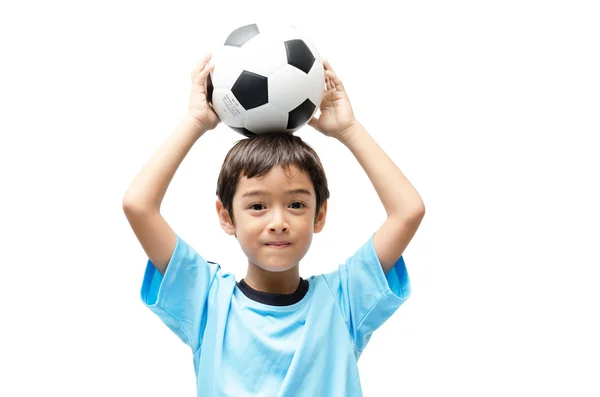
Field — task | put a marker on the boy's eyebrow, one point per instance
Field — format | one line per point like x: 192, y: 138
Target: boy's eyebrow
x: 266, y: 193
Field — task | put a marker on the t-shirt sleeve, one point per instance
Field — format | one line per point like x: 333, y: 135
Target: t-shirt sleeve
x: 366, y: 295
x: 182, y: 297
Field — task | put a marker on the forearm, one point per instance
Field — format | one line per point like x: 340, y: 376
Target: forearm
x: 148, y: 188
x: 398, y: 196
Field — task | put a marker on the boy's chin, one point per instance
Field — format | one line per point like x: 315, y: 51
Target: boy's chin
x: 277, y: 268
x: 275, y: 265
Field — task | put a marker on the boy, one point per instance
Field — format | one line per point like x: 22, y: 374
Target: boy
x: 274, y: 333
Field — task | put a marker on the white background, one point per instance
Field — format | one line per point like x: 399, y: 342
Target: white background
x: 491, y: 109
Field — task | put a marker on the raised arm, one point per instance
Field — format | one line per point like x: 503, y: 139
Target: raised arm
x: 143, y: 198
x: 402, y: 203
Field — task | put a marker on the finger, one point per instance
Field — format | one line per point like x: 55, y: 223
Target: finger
x: 337, y: 83
x: 331, y: 85
x: 205, y: 58
x: 206, y: 71
x: 330, y: 72
x: 202, y: 63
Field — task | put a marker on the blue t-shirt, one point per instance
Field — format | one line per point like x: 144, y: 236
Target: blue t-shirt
x: 243, y: 347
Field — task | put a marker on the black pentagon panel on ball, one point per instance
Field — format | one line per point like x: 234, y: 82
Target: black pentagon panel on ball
x: 299, y: 55
x: 242, y: 35
x: 209, y: 89
x: 247, y: 133
x: 301, y: 114
x: 251, y: 90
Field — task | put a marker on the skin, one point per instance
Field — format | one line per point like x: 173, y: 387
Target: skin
x: 276, y: 216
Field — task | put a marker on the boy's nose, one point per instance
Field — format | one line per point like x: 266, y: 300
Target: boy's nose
x: 278, y: 222
x: 278, y: 229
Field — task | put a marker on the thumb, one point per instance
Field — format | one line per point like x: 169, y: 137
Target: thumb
x: 313, y: 122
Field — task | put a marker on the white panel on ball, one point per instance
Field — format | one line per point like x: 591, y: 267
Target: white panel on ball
x: 230, y: 65
x: 288, y: 88
x: 263, y: 55
x: 315, y: 83
x: 227, y: 107
x: 265, y: 119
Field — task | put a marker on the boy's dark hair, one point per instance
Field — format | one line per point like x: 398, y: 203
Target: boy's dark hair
x: 255, y: 156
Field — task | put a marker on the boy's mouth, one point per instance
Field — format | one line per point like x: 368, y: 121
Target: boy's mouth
x: 279, y: 244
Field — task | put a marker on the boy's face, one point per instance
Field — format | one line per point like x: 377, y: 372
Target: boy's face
x: 274, y: 208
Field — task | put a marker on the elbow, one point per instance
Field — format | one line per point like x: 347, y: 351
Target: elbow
x: 412, y: 214
x: 419, y: 212
x: 415, y: 216
x: 131, y: 204
x: 128, y: 202
x: 128, y: 206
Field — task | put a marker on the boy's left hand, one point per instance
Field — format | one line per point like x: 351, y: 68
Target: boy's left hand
x: 336, y: 117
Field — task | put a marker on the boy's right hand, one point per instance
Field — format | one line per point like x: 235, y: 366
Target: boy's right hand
x: 199, y: 108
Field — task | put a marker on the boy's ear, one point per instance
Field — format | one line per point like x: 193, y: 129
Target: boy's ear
x: 320, y: 221
x: 225, y: 219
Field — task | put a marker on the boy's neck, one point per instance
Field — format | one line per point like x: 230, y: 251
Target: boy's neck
x: 286, y: 282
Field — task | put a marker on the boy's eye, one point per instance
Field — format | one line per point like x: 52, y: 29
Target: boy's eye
x: 297, y: 202
x: 295, y: 205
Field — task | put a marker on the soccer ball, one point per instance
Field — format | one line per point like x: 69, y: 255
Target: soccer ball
x: 267, y: 78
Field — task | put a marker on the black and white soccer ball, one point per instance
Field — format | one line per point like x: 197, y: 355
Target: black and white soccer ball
x: 267, y: 78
